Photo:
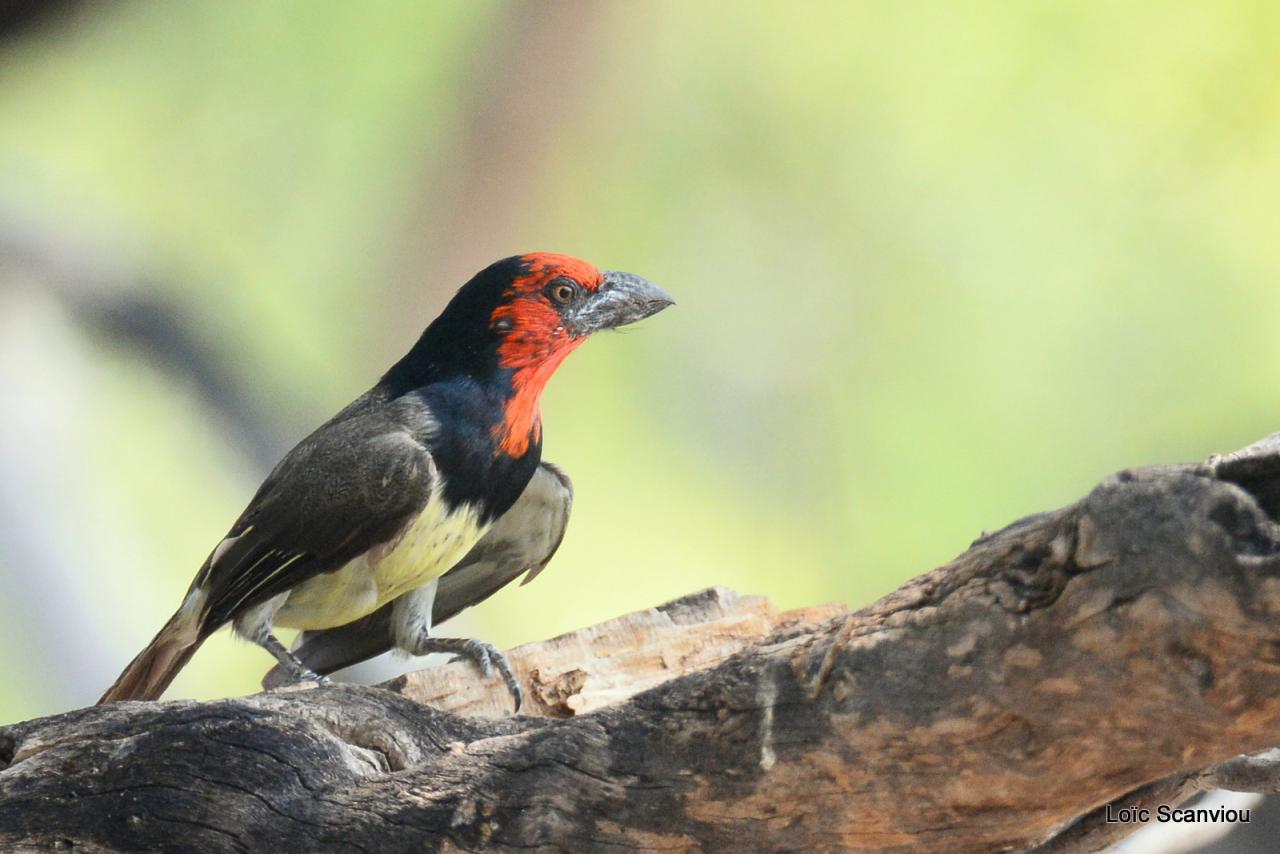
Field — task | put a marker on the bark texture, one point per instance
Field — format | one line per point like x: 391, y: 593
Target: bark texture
x: 1125, y: 648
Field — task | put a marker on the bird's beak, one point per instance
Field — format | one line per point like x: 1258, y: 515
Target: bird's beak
x: 622, y: 298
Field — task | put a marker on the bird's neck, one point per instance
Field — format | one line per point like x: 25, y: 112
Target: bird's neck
x: 465, y: 430
x: 458, y: 353
x: 522, y: 411
x: 440, y: 358
x: 517, y: 388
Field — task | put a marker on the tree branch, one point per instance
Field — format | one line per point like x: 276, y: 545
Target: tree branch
x: 1125, y: 647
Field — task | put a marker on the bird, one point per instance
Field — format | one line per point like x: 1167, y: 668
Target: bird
x: 421, y: 497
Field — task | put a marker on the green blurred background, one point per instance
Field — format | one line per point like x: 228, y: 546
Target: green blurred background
x: 938, y: 266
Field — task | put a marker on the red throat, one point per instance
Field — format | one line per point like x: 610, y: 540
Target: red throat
x: 522, y: 416
x: 536, y: 345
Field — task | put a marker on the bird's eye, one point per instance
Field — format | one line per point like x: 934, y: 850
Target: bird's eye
x: 562, y: 291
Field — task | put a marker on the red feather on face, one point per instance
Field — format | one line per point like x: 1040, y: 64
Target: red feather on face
x: 537, y: 343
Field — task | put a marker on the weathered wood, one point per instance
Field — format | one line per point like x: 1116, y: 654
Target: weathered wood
x: 1125, y: 646
x: 604, y: 664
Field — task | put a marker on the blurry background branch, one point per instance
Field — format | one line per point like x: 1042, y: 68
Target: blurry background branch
x: 1121, y: 650
x: 113, y: 298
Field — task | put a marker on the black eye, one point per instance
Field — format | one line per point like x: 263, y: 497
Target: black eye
x: 563, y: 291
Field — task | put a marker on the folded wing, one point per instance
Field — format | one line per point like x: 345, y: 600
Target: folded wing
x: 344, y: 490
x: 521, y: 542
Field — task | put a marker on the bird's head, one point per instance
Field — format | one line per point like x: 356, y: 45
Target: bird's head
x: 550, y: 304
x: 518, y: 319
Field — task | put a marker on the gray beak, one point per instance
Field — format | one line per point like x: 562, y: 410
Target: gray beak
x: 621, y: 299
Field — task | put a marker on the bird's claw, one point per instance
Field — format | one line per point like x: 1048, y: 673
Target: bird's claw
x: 484, y: 655
x: 301, y: 680
x: 306, y: 675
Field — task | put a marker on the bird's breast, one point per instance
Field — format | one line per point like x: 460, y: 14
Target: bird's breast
x: 426, y: 548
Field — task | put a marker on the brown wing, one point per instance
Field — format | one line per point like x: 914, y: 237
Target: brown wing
x: 350, y: 486
x: 521, y: 542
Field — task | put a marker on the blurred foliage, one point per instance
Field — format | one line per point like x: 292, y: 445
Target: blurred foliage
x: 938, y: 266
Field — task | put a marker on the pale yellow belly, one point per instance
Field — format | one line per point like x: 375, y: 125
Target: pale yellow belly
x: 426, y: 550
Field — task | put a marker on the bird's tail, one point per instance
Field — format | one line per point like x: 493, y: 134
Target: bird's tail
x: 151, y: 670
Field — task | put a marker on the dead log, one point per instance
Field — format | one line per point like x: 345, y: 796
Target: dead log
x: 1125, y: 648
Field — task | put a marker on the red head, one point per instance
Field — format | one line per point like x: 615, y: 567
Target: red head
x: 529, y: 319
x: 547, y: 312
x: 517, y: 320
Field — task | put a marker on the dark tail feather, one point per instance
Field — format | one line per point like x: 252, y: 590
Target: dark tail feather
x: 151, y: 670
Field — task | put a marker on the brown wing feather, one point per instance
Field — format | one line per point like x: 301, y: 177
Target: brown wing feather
x: 350, y: 486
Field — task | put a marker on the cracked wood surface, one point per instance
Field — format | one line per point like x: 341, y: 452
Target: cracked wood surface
x: 1126, y: 646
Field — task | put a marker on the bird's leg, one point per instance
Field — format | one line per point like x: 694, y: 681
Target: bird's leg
x: 290, y: 662
x: 411, y: 625
x: 255, y: 625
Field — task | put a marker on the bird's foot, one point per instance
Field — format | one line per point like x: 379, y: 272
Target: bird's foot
x: 302, y: 675
x: 486, y: 656
x: 298, y: 672
x: 304, y: 681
